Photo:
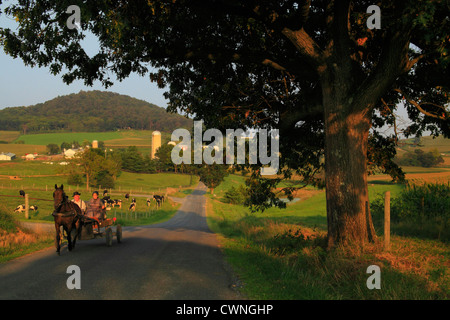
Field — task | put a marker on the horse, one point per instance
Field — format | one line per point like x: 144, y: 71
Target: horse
x: 68, y: 215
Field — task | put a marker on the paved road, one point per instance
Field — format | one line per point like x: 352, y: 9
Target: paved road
x: 177, y: 259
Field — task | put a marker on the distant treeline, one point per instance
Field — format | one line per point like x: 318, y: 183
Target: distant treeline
x: 420, y: 158
x: 89, y: 112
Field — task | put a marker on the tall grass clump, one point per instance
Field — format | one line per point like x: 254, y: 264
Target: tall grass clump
x: 15, y: 241
x: 7, y: 222
x: 421, y: 210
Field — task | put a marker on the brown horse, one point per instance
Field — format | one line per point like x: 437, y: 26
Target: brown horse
x: 68, y: 215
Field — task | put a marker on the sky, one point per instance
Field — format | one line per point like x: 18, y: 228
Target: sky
x: 24, y: 86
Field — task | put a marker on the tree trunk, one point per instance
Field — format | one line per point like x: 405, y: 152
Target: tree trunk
x: 346, y: 142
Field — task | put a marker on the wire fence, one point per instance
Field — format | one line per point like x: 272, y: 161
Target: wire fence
x: 116, y: 191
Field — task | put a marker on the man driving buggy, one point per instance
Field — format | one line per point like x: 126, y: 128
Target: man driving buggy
x: 95, y: 207
x: 76, y: 199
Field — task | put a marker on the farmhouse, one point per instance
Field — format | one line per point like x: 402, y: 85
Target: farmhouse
x: 30, y: 156
x: 8, y: 156
x: 70, y: 153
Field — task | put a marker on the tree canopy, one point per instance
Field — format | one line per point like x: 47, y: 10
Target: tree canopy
x: 312, y: 69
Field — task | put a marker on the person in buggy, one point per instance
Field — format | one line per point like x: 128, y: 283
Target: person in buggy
x: 96, y: 208
x: 76, y: 199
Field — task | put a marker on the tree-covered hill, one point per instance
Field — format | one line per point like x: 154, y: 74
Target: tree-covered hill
x: 90, y: 111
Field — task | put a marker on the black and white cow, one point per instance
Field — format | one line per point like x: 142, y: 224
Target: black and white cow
x: 159, y: 200
x: 132, y: 205
x: 20, y: 208
x: 117, y: 203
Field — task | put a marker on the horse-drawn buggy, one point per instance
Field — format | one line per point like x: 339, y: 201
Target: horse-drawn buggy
x: 68, y: 215
x: 92, y: 229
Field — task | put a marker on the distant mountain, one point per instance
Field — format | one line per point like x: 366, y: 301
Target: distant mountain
x: 91, y: 111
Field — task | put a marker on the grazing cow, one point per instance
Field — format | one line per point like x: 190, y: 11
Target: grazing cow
x: 127, y: 196
x: 149, y: 202
x: 22, y: 193
x: 132, y: 205
x: 20, y: 208
x: 33, y: 208
x: 117, y: 203
x: 159, y: 200
x: 109, y: 202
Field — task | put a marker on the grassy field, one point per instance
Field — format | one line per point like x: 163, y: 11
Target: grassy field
x: 121, y: 138
x: 281, y: 253
x: 38, y: 180
x: 428, y: 144
x: 9, y: 136
x: 22, y: 149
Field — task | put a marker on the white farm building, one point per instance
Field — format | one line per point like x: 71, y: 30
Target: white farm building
x: 8, y: 156
x: 70, y: 153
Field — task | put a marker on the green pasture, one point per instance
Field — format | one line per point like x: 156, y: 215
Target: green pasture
x: 310, y: 212
x: 22, y: 149
x: 41, y: 187
x: 428, y: 144
x: 31, y: 168
x: 58, y: 138
x: 121, y: 138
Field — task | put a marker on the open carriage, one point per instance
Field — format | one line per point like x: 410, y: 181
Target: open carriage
x: 106, y: 228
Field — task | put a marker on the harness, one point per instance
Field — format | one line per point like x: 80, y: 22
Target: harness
x: 64, y: 214
x: 71, y: 213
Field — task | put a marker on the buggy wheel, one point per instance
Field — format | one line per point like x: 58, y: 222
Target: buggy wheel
x: 119, y: 233
x: 109, y: 237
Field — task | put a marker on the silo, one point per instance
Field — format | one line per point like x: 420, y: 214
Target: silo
x: 156, y: 142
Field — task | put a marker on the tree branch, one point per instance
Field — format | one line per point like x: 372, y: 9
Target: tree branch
x: 392, y: 63
x: 305, y: 45
x: 445, y: 114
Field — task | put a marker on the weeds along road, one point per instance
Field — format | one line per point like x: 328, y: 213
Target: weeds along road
x: 177, y: 259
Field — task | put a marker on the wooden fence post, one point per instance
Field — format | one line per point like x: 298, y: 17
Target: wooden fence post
x: 387, y: 220
x: 27, y: 206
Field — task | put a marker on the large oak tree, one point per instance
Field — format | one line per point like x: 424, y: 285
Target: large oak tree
x: 312, y: 69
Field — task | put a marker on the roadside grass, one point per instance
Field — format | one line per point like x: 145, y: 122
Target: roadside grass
x: 281, y: 254
x: 15, y: 241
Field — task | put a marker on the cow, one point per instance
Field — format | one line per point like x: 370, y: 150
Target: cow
x: 117, y: 203
x: 132, y: 205
x: 159, y: 200
x: 20, y: 208
x: 33, y: 208
x: 22, y: 193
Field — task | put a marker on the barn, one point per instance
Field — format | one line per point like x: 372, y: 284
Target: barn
x: 8, y: 156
